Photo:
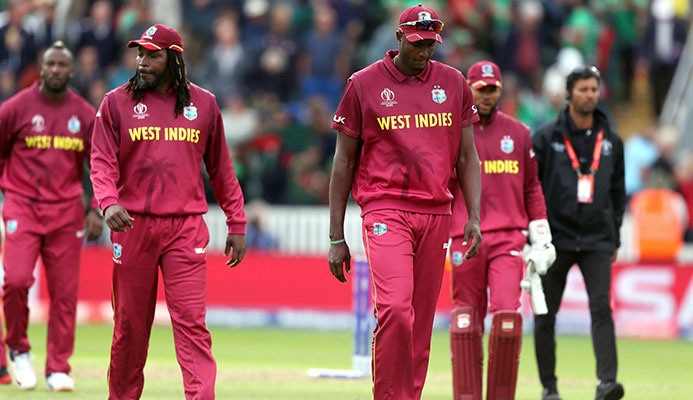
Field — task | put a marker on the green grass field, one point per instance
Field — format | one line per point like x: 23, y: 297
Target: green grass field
x: 272, y: 364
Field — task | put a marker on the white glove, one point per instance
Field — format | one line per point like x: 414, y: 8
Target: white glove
x: 541, y: 253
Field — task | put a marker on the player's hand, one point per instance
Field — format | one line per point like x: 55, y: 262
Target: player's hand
x: 339, y: 258
x: 238, y: 244
x: 472, y: 232
x: 117, y: 218
x: 93, y: 225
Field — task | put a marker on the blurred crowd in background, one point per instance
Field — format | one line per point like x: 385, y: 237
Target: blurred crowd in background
x: 278, y: 68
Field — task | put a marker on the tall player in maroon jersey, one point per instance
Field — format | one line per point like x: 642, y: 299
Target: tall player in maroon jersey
x: 151, y: 136
x: 511, y: 200
x: 404, y: 126
x: 45, y: 136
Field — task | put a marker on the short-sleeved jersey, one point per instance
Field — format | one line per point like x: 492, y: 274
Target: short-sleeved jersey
x: 511, y: 194
x: 410, y: 128
x: 43, y: 145
x: 150, y: 161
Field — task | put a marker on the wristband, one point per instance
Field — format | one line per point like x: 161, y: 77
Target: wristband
x: 338, y: 241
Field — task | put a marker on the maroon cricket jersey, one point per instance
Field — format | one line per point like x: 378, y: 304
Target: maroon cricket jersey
x: 43, y: 145
x: 410, y: 127
x: 149, y: 161
x: 511, y: 195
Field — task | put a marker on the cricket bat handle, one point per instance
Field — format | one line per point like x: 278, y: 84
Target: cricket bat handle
x: 532, y: 284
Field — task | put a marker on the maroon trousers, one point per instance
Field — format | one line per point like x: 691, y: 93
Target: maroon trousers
x: 53, y: 230
x: 406, y: 256
x: 177, y: 246
x: 498, y: 266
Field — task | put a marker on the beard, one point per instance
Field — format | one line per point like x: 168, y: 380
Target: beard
x: 55, y: 85
x: 158, y: 80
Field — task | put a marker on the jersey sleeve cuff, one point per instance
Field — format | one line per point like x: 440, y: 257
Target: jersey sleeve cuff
x: 236, y: 228
x: 345, y: 130
x: 107, y: 202
x: 471, y: 120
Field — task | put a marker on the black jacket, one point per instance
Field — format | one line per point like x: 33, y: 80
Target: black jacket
x: 574, y: 226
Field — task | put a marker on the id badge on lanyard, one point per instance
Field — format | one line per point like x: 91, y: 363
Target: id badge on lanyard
x: 585, y: 182
x: 585, y: 188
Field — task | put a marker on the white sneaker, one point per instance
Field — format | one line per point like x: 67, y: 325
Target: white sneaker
x: 60, y: 382
x: 24, y: 375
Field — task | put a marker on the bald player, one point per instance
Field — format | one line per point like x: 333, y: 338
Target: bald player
x: 511, y: 201
x: 45, y: 137
x: 405, y: 125
x: 150, y: 138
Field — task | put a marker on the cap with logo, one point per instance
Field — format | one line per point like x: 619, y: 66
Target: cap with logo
x: 419, y: 23
x: 484, y: 73
x: 159, y: 37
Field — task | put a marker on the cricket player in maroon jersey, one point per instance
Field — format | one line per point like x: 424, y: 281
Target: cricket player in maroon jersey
x: 405, y: 124
x: 150, y: 138
x: 45, y: 137
x: 511, y: 200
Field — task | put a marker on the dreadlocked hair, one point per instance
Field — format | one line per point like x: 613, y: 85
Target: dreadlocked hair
x: 175, y: 68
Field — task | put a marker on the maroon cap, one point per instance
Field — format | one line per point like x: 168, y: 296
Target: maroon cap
x: 484, y: 73
x: 159, y: 37
x: 419, y: 23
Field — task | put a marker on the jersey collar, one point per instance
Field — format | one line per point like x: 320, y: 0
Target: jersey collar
x: 389, y: 62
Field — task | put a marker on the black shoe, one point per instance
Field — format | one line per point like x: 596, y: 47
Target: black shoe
x: 550, y: 394
x: 610, y: 390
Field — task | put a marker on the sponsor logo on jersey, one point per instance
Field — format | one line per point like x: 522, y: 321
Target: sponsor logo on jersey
x: 507, y: 144
x: 140, y: 111
x: 438, y: 95
x: 190, y: 112
x: 73, y: 124
x: 558, y: 147
x: 457, y: 257
x: 474, y: 110
x: 38, y: 123
x: 200, y: 250
x: 339, y: 119
x: 487, y: 71
x: 12, y: 226
x: 117, y: 252
x: 607, y: 146
x: 379, y: 228
x: 531, y: 153
x: 388, y: 97
x: 464, y: 321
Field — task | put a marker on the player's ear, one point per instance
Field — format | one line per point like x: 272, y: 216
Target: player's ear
x: 399, y: 35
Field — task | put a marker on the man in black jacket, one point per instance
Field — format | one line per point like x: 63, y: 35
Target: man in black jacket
x: 580, y: 166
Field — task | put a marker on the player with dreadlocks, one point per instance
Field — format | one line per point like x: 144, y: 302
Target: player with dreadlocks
x: 175, y: 69
x: 150, y: 138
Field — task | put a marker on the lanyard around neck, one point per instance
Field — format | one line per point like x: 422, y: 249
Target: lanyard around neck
x: 596, y: 155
